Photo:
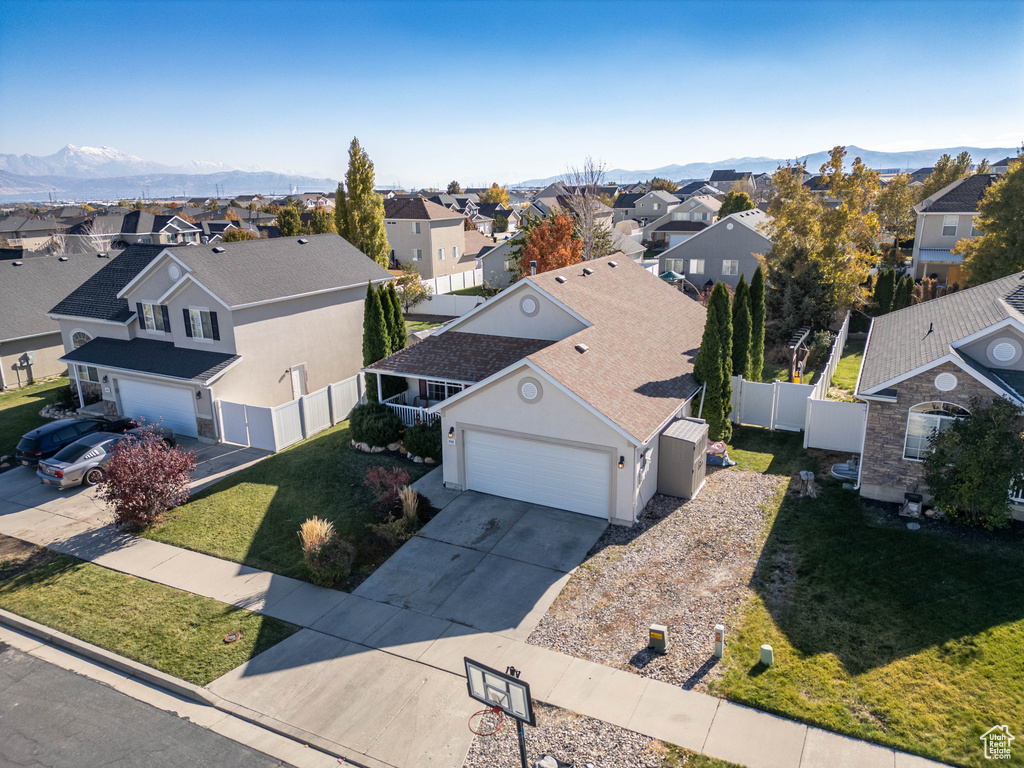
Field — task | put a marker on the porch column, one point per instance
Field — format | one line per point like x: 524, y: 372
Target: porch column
x: 78, y: 384
x: 380, y: 390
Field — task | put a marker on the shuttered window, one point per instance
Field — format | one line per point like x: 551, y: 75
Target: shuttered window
x: 201, y: 324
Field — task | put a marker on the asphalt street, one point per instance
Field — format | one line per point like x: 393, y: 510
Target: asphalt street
x: 55, y: 718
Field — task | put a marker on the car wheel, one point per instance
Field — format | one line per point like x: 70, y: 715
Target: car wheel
x: 93, y: 476
x: 167, y: 444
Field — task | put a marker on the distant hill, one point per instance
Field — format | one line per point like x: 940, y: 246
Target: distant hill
x: 97, y: 163
x: 911, y: 160
x: 30, y: 188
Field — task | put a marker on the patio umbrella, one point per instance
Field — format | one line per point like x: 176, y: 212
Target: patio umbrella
x: 671, y: 277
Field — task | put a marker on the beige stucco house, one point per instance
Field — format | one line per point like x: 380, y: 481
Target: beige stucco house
x: 943, y: 220
x: 556, y: 390
x: 427, y: 235
x: 162, y: 333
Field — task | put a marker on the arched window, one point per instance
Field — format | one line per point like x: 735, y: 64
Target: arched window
x: 78, y: 338
x: 925, y: 421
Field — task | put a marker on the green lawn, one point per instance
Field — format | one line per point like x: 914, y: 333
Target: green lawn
x: 474, y: 290
x: 913, y: 639
x: 167, y: 629
x: 253, y: 517
x: 845, y: 376
x: 411, y: 326
x: 772, y: 453
x: 677, y: 757
x: 19, y: 411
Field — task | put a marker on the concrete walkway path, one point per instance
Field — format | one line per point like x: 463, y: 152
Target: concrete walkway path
x: 384, y: 685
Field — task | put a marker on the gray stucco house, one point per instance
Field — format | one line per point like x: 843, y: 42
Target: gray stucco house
x: 724, y: 251
x: 943, y: 220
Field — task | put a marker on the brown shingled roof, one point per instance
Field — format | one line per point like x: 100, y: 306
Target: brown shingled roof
x: 458, y: 356
x: 416, y: 208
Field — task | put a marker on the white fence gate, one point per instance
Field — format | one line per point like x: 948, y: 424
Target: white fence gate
x: 274, y: 429
x: 774, y: 405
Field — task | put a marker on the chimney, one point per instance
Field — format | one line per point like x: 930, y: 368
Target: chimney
x: 533, y: 267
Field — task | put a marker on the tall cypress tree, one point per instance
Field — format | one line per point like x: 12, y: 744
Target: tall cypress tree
x: 707, y: 370
x: 376, y: 342
x: 901, y: 297
x: 719, y: 304
x: 755, y: 364
x: 359, y: 217
x: 741, y: 328
x: 399, y: 333
x: 885, y: 290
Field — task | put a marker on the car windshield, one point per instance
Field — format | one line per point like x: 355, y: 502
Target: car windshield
x: 73, y: 452
x: 29, y: 444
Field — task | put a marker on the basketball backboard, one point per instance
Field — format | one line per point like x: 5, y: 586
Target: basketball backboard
x: 500, y: 689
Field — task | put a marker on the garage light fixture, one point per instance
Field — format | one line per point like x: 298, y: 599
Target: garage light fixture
x: 199, y: 394
x: 451, y: 432
x: 622, y: 462
x: 105, y: 378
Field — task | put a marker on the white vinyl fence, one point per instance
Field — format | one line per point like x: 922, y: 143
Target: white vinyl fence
x: 772, y: 405
x: 454, y: 282
x: 447, y: 305
x: 274, y: 429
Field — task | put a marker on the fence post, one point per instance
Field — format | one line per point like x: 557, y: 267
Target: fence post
x: 807, y: 422
x: 775, y: 404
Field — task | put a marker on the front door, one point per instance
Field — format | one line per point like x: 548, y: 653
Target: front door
x: 298, y: 381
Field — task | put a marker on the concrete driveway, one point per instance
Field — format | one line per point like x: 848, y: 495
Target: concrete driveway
x: 486, y: 562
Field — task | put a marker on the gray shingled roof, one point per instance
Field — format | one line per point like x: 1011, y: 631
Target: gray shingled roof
x: 96, y: 297
x: 964, y: 197
x: 458, y: 356
x: 28, y: 291
x: 156, y: 357
x: 627, y: 201
x: 910, y: 338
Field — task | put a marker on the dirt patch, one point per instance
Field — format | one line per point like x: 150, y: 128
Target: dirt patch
x: 17, y: 557
x: 686, y: 565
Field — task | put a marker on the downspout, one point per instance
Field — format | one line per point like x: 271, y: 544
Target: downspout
x: 700, y: 411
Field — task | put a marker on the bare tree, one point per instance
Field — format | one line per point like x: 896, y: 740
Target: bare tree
x: 103, y: 234
x: 584, y: 202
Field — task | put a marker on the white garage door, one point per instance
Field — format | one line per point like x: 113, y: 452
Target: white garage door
x: 543, y: 473
x: 170, y: 406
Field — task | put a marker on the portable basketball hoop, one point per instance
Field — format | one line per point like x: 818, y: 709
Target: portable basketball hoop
x: 504, y: 694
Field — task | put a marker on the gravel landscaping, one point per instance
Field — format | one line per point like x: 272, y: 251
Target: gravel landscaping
x: 686, y: 565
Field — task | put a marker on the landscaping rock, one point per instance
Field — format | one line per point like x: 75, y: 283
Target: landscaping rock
x: 417, y: 460
x: 686, y: 565
x: 392, y: 446
x: 428, y: 460
x: 377, y: 449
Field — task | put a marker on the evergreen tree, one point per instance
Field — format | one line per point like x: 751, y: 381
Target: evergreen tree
x: 397, y: 327
x: 758, y: 313
x: 359, y: 217
x: 454, y: 188
x: 376, y: 342
x: 901, y: 298
x: 289, y: 224
x: 741, y: 328
x: 719, y: 304
x: 885, y: 290
x: 321, y: 223
x: 713, y: 366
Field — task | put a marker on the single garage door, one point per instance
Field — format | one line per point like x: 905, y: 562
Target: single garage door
x: 155, y: 403
x: 543, y: 473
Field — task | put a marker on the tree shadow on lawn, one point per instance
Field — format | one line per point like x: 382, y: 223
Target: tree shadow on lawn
x: 837, y: 581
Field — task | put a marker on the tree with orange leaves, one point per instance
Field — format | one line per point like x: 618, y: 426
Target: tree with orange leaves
x: 552, y: 244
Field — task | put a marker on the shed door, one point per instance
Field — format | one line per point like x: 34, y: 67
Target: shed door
x: 171, y: 406
x: 559, y: 476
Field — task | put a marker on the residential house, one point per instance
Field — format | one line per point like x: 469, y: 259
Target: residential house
x: 30, y: 342
x: 922, y: 367
x: 731, y: 179
x: 427, y: 235
x: 724, y: 251
x: 557, y: 390
x: 212, y: 231
x: 163, y: 333
x: 493, y: 210
x: 693, y: 188
x: 624, y: 206
x: 147, y: 228
x: 671, y: 232
x: 698, y: 210
x: 943, y: 220
x: 1002, y: 166
x: 654, y: 206
x: 27, y: 232
x: 496, y: 263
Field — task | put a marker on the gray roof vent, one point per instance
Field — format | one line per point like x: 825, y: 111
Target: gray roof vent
x: 581, y: 348
x: 587, y: 271
x: 303, y: 241
x: 613, y: 264
x: 218, y: 249
x: 63, y: 258
x: 560, y: 279
x: 15, y: 263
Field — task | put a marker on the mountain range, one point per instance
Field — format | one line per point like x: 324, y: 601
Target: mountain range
x: 904, y: 161
x: 97, y: 163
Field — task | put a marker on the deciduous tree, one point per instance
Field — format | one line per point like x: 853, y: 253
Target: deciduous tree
x: 359, y: 217
x: 376, y: 341
x: 1000, y: 250
x: 584, y: 205
x: 454, y: 188
x: 658, y: 183
x: 741, y: 328
x: 495, y: 194
x: 757, y: 321
x: 237, y: 235
x: 895, y: 208
x: 321, y: 222
x: 946, y: 171
x: 552, y: 244
x: 734, y: 203
x: 411, y: 290
x: 289, y: 223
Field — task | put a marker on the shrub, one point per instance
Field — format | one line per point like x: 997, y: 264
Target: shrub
x: 376, y: 547
x: 401, y: 528
x: 374, y: 424
x: 386, y: 484
x: 821, y: 345
x: 424, y: 440
x: 328, y: 557
x: 145, y: 478
x: 66, y: 398
x: 410, y: 502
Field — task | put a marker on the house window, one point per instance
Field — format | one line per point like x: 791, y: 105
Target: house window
x: 416, y: 228
x: 657, y: 206
x: 440, y: 254
x: 154, y: 318
x: 202, y: 324
x: 949, y: 226
x: 924, y: 422
x: 696, y: 266
x: 172, y: 237
x: 455, y: 251
x: 730, y: 267
x: 975, y: 232
x: 87, y: 373
x: 674, y: 265
x: 442, y: 390
x: 79, y: 338
x: 417, y: 254
x: 146, y: 240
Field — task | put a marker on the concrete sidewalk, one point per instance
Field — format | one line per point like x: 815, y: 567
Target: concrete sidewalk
x: 387, y: 683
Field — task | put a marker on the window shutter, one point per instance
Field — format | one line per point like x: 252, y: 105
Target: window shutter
x: 188, y: 322
x: 142, y: 317
x: 423, y: 388
x: 167, y: 318
x: 214, y: 326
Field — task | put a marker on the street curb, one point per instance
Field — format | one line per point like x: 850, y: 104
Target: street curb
x: 183, y: 689
x: 131, y: 668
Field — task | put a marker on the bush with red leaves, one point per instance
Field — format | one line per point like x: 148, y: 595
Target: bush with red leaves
x: 386, y: 484
x: 144, y: 479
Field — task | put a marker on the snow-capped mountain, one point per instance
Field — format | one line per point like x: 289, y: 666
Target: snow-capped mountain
x: 97, y: 162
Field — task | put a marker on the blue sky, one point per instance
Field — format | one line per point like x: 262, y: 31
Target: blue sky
x: 479, y: 91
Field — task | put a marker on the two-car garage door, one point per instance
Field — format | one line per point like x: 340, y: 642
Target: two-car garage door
x: 559, y: 476
x: 171, y: 406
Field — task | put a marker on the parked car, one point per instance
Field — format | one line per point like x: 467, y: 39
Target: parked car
x: 45, y: 441
x: 83, y: 461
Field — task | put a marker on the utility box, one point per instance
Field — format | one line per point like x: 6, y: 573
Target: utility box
x: 658, y: 638
x: 682, y: 456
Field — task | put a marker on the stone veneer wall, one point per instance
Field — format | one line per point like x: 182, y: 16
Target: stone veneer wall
x: 206, y: 428
x: 885, y: 474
